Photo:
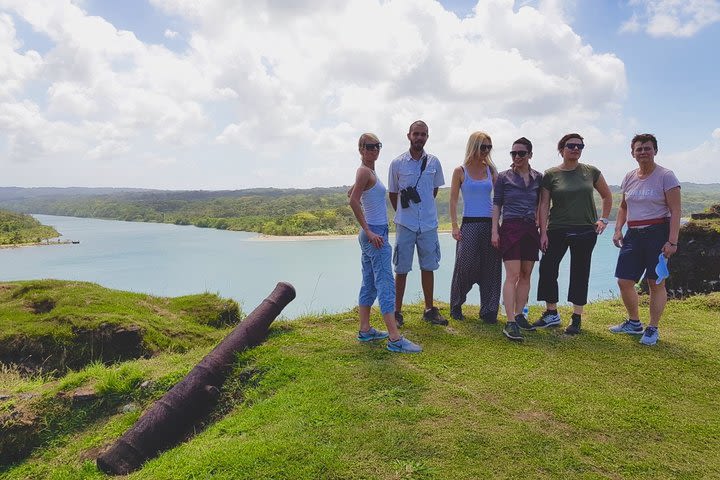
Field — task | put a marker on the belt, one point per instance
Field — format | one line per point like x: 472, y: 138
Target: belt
x: 644, y: 223
x: 477, y: 220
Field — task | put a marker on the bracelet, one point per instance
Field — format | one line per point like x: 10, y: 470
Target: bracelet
x: 672, y: 244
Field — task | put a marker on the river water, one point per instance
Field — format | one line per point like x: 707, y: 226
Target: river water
x: 171, y: 260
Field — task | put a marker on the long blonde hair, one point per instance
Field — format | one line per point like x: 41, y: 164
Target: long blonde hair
x: 472, y: 150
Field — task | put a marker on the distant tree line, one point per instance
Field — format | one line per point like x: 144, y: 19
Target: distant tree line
x: 317, y: 211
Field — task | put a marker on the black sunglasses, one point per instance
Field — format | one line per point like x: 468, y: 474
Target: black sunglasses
x: 573, y: 146
x: 519, y: 153
x: 372, y: 146
x: 485, y: 148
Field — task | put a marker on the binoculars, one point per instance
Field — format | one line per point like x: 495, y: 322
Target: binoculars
x: 407, y: 195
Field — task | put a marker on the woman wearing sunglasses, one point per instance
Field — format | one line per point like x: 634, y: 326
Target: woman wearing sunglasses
x: 651, y: 207
x: 367, y: 200
x: 568, y: 219
x: 476, y: 261
x: 517, y: 192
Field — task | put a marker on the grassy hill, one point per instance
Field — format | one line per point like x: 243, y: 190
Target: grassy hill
x: 311, y: 402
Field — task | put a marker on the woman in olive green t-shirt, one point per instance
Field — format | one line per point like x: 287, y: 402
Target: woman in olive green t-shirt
x: 570, y: 222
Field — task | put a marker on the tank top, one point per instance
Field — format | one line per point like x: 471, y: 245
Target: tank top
x: 373, y: 204
x: 477, y: 195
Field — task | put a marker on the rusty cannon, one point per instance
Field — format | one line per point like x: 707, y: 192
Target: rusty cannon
x: 171, y: 418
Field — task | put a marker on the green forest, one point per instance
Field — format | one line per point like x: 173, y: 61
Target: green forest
x: 270, y: 211
x: 18, y: 228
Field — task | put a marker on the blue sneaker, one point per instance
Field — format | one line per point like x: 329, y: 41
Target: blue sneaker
x: 371, y: 335
x: 631, y: 327
x: 403, y: 345
x: 650, y: 336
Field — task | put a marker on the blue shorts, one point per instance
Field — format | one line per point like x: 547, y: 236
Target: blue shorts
x: 377, y: 278
x: 428, y: 248
x: 640, y: 250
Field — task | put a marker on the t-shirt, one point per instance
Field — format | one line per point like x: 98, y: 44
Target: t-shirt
x: 571, y: 196
x: 645, y: 198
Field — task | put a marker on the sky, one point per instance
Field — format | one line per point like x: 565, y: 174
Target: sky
x: 232, y: 94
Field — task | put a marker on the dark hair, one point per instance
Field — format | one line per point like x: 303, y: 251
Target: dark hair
x: 524, y: 141
x: 644, y: 137
x: 564, y: 139
x: 418, y: 122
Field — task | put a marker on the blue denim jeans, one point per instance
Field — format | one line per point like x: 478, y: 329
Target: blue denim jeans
x: 377, y: 277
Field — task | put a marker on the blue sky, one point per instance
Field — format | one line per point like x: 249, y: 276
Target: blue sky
x: 226, y: 94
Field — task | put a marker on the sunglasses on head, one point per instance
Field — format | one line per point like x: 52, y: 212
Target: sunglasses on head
x: 485, y: 148
x: 519, y: 153
x: 372, y: 146
x: 574, y: 146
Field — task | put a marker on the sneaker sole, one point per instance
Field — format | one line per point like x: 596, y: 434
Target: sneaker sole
x: 627, y: 333
x: 400, y: 350
x: 548, y: 325
x: 514, y: 339
x: 374, y: 339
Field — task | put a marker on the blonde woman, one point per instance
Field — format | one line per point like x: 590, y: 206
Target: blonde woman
x: 367, y: 200
x: 476, y: 260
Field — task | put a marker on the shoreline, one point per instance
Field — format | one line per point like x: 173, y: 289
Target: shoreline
x: 34, y: 244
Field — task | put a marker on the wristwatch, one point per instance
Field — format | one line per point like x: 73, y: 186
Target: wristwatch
x: 603, y: 220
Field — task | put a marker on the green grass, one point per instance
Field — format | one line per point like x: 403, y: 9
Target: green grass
x: 53, y: 319
x: 311, y: 402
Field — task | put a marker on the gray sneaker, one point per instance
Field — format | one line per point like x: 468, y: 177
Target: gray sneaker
x: 403, y: 345
x: 547, y: 320
x: 512, y: 331
x: 628, y: 326
x: 371, y: 335
x: 433, y: 316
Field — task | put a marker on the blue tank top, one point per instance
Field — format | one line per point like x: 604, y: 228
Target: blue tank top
x: 477, y: 195
x: 373, y: 204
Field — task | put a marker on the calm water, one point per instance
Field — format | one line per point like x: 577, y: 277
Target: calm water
x: 170, y: 260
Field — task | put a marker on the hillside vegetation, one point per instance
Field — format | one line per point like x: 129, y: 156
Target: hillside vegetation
x: 18, y: 228
x: 313, y: 403
x: 269, y: 211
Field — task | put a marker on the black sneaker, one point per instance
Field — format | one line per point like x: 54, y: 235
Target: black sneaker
x: 574, y: 327
x: 399, y: 319
x: 512, y: 331
x: 523, y: 323
x: 490, y: 318
x: 433, y: 316
x: 547, y: 320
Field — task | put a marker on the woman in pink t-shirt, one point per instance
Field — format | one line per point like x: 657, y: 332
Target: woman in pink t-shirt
x: 651, y: 208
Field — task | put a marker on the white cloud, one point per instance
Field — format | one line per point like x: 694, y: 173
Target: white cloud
x: 694, y: 165
x: 170, y: 33
x: 672, y: 18
x: 281, y: 90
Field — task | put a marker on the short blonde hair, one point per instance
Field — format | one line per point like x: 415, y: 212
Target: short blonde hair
x: 367, y: 136
x: 472, y: 150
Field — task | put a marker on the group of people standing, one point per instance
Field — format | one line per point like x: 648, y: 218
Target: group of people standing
x: 508, y: 218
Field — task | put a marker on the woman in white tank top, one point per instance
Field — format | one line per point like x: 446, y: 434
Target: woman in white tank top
x: 368, y: 203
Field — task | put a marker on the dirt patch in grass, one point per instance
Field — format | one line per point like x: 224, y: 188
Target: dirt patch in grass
x: 48, y: 354
x: 42, y: 305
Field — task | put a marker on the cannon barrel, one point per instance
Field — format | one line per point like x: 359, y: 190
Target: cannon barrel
x: 172, y: 417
